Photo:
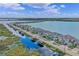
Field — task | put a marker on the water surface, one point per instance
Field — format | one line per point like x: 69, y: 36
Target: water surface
x: 71, y: 28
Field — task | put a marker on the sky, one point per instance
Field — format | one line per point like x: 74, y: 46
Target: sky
x: 39, y: 10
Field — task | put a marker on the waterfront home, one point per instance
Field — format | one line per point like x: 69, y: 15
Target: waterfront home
x: 71, y: 39
x: 58, y: 38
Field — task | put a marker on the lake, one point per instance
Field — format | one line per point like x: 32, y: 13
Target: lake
x: 71, y: 28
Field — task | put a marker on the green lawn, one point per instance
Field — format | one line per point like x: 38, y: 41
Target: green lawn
x: 4, y: 31
x: 54, y: 49
x: 12, y: 46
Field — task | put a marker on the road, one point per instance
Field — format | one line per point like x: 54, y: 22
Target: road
x: 11, y: 30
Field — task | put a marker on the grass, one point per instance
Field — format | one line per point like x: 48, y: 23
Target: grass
x: 21, y: 51
x: 7, y: 46
x: 47, y: 37
x: 35, y: 32
x: 4, y: 31
x: 7, y: 42
x: 72, y: 46
x: 54, y: 49
x: 18, y: 51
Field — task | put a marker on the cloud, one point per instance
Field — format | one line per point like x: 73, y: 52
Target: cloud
x: 33, y: 10
x: 12, y: 14
x: 50, y: 11
x: 14, y: 6
x: 53, y: 6
x: 62, y: 6
x: 46, y: 9
x: 70, y: 15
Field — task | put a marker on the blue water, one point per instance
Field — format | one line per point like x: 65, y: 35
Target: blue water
x: 28, y: 43
x: 71, y: 28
